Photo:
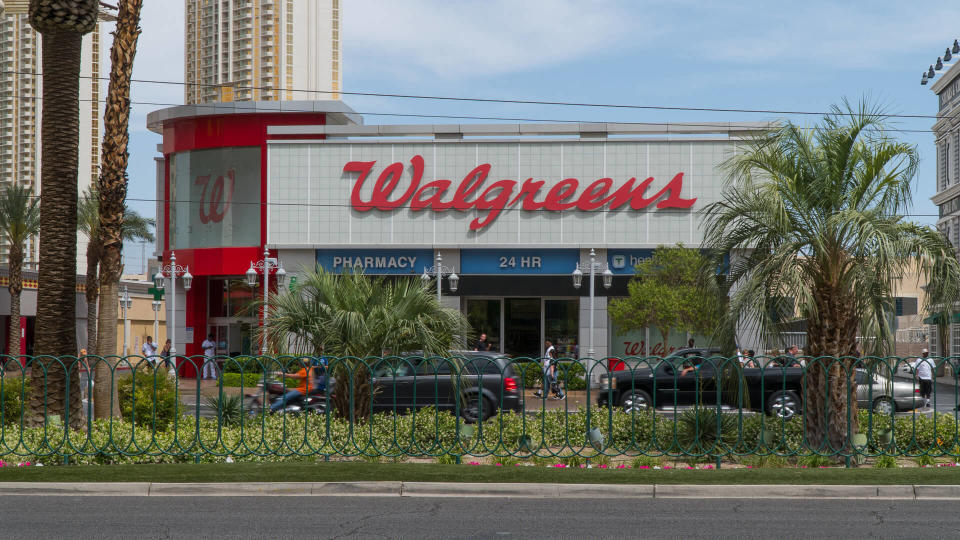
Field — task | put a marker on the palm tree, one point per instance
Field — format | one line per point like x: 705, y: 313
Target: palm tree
x: 61, y: 24
x: 135, y: 227
x: 112, y: 186
x: 353, y: 317
x: 817, y: 215
x: 19, y: 220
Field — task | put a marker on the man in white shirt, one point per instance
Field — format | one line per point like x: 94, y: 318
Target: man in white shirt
x: 209, y: 347
x: 923, y: 371
x: 150, y: 350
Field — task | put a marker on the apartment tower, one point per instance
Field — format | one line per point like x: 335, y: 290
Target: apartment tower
x: 21, y: 106
x: 261, y: 50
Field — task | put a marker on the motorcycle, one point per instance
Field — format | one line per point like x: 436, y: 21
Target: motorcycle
x: 271, y: 387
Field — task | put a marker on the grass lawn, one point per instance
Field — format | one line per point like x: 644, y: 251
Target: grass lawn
x: 346, y: 472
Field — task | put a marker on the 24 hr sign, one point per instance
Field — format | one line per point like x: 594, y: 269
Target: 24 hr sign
x: 495, y: 197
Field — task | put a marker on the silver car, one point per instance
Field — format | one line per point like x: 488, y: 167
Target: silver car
x: 877, y: 392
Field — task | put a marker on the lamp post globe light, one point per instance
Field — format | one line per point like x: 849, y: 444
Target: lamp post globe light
x: 593, y: 268
x: 265, y: 266
x: 172, y: 271
x: 125, y: 304
x: 437, y: 271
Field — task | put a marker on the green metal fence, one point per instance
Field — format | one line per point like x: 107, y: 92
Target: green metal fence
x: 717, y: 410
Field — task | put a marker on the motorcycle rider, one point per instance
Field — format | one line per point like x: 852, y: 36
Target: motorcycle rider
x: 305, y: 376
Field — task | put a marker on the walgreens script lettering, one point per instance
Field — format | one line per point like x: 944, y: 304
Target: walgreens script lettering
x: 214, y: 209
x: 503, y: 194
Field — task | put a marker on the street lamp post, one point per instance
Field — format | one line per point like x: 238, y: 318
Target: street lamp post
x: 125, y: 304
x: 578, y: 272
x: 173, y: 270
x: 156, y: 319
x: 438, y: 271
x: 264, y: 266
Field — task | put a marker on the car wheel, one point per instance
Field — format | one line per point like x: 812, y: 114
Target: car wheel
x: 636, y: 400
x: 884, y: 405
x: 471, y: 411
x: 784, y: 404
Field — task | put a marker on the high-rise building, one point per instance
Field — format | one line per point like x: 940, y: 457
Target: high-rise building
x: 261, y: 50
x: 21, y: 107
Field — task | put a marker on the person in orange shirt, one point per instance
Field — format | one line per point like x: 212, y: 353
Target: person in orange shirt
x: 305, y: 376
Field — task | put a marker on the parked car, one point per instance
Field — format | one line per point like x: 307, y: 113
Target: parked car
x: 661, y: 383
x: 487, y: 382
x: 877, y: 392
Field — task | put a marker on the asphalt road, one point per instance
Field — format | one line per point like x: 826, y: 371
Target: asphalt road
x: 408, y: 517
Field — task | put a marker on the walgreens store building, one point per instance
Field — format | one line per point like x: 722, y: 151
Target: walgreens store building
x: 511, y: 208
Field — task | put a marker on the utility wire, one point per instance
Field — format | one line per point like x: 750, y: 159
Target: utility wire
x: 499, y: 100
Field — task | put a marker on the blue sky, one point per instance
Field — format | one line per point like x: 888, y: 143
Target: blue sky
x: 732, y: 55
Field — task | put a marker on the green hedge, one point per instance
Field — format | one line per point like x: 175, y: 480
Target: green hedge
x: 12, y: 388
x: 571, y: 374
x: 149, y: 397
x: 249, y: 380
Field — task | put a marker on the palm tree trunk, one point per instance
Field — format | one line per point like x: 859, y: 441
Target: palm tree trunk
x: 92, y: 294
x: 112, y: 183
x: 15, y: 261
x: 830, y: 405
x: 57, y: 294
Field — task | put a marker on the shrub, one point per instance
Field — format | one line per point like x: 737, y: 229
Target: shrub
x: 572, y: 375
x: 149, y: 397
x: 641, y: 462
x: 249, y: 380
x: 885, y: 462
x: 228, y: 407
x: 814, y: 460
x: 705, y: 431
x: 924, y: 460
x: 13, y: 388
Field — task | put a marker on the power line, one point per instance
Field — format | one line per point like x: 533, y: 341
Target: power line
x: 470, y: 117
x: 497, y: 100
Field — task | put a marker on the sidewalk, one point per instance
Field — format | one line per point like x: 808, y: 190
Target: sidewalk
x: 485, y: 490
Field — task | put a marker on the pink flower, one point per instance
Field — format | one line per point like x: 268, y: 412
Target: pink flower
x: 582, y: 466
x: 602, y: 466
x: 473, y: 463
x: 667, y: 467
x: 560, y: 466
x: 708, y: 467
x: 499, y: 464
x: 749, y: 466
x: 644, y: 466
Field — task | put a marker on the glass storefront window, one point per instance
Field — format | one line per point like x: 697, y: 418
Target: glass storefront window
x: 484, y: 317
x: 561, y: 326
x: 230, y: 298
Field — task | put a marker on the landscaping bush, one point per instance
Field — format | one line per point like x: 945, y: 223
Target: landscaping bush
x: 249, y: 380
x: 12, y: 389
x: 149, y: 397
x: 572, y: 375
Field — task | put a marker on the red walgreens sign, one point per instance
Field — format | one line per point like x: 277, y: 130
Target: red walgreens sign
x: 504, y: 194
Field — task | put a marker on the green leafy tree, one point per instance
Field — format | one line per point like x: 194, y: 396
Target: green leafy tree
x: 673, y: 291
x: 356, y: 317
x: 19, y: 220
x: 817, y: 215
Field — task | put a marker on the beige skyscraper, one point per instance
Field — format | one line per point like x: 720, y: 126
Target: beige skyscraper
x: 21, y: 106
x: 261, y: 50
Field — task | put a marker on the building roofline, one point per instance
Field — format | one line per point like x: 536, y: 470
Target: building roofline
x: 946, y: 78
x: 337, y: 111
x: 584, y: 130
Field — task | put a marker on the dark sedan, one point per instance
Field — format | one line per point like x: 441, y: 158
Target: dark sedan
x: 487, y: 383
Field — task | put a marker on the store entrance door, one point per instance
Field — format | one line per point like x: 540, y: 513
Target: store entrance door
x: 521, y: 326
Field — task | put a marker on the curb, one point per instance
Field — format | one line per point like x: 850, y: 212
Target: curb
x: 499, y: 490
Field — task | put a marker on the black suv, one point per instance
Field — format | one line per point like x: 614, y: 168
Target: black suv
x: 487, y: 383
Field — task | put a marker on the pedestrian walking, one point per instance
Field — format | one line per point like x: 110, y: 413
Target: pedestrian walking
x: 165, y: 358
x: 209, y: 347
x: 923, y: 371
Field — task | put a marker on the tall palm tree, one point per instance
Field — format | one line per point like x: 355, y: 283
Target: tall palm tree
x: 818, y: 216
x: 19, y: 220
x: 353, y: 316
x: 112, y: 185
x: 135, y: 227
x: 61, y: 24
